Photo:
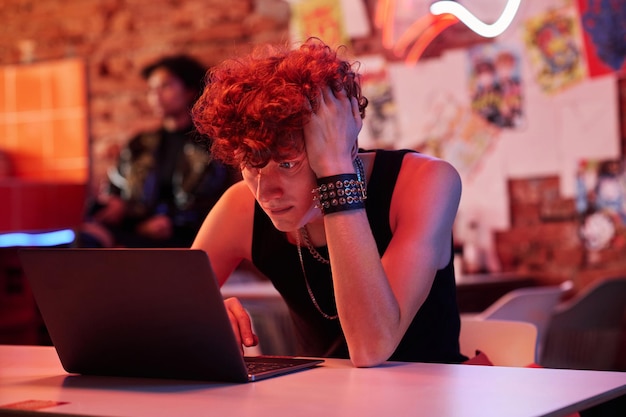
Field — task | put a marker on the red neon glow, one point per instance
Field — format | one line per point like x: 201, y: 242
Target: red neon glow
x: 441, y: 23
x: 384, y: 19
x: 412, y: 33
x: 443, y: 15
x: 421, y: 33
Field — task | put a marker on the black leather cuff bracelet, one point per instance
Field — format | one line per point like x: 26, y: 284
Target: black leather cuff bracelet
x: 341, y: 192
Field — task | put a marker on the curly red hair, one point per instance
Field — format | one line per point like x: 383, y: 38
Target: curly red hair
x: 253, y: 106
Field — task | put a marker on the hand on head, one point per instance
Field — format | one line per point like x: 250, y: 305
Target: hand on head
x: 255, y: 109
x: 332, y: 132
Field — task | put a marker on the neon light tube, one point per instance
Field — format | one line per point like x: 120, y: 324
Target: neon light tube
x: 438, y: 26
x: 474, y: 23
x: 59, y: 237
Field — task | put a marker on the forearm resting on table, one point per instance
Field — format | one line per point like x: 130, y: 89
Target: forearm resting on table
x: 371, y: 318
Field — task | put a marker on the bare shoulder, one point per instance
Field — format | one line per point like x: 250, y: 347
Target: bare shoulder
x: 234, y: 212
x: 227, y: 230
x: 426, y: 198
x: 238, y: 198
x: 418, y: 168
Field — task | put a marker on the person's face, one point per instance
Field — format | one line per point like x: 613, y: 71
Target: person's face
x: 283, y: 190
x: 167, y: 95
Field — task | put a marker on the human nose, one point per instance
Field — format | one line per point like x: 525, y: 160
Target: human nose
x: 154, y: 96
x: 267, y: 185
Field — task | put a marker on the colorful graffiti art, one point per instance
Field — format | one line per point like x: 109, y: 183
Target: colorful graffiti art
x: 604, y: 35
x: 555, y: 47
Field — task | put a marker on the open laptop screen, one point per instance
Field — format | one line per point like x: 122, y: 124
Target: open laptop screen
x: 136, y: 312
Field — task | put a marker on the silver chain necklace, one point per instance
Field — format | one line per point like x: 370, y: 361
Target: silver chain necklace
x: 308, y: 287
x: 307, y: 242
x: 360, y: 170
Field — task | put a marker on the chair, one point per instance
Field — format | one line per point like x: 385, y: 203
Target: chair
x: 587, y: 331
x: 533, y: 305
x: 506, y: 343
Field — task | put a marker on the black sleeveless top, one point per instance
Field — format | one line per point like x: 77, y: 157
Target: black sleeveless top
x: 433, y: 336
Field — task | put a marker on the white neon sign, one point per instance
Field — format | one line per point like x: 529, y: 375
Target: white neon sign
x: 474, y: 23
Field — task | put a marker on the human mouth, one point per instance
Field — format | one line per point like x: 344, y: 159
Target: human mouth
x: 278, y: 210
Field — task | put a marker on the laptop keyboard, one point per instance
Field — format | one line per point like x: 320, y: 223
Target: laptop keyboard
x: 257, y: 364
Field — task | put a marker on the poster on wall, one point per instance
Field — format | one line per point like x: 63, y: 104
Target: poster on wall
x: 458, y: 135
x: 554, y: 43
x: 380, y: 127
x: 319, y: 18
x: 495, y: 84
x: 604, y: 35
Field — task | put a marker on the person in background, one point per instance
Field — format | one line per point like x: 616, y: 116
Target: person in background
x: 165, y: 181
x: 358, y: 243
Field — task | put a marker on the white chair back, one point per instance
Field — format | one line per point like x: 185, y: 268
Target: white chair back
x: 506, y: 343
x: 532, y: 305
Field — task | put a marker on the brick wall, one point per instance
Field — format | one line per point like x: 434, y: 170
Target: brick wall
x: 117, y: 38
x: 544, y: 239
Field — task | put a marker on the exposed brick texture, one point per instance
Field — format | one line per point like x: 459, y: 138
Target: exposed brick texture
x: 118, y: 37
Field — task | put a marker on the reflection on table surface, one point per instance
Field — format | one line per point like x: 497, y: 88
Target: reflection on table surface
x: 32, y: 376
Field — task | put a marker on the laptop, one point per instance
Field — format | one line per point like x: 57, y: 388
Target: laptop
x: 155, y: 313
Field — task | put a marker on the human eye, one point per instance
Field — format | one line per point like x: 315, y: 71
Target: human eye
x: 287, y: 164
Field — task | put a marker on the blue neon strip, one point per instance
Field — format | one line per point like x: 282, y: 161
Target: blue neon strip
x: 59, y: 237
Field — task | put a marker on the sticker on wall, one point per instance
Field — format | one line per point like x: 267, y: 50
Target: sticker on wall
x: 496, y: 85
x: 554, y: 42
x: 601, y: 186
x: 318, y: 18
x: 604, y: 35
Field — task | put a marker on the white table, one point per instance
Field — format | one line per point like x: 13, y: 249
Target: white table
x: 33, y: 375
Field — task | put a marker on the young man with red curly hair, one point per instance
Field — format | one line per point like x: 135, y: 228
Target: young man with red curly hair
x: 358, y: 243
